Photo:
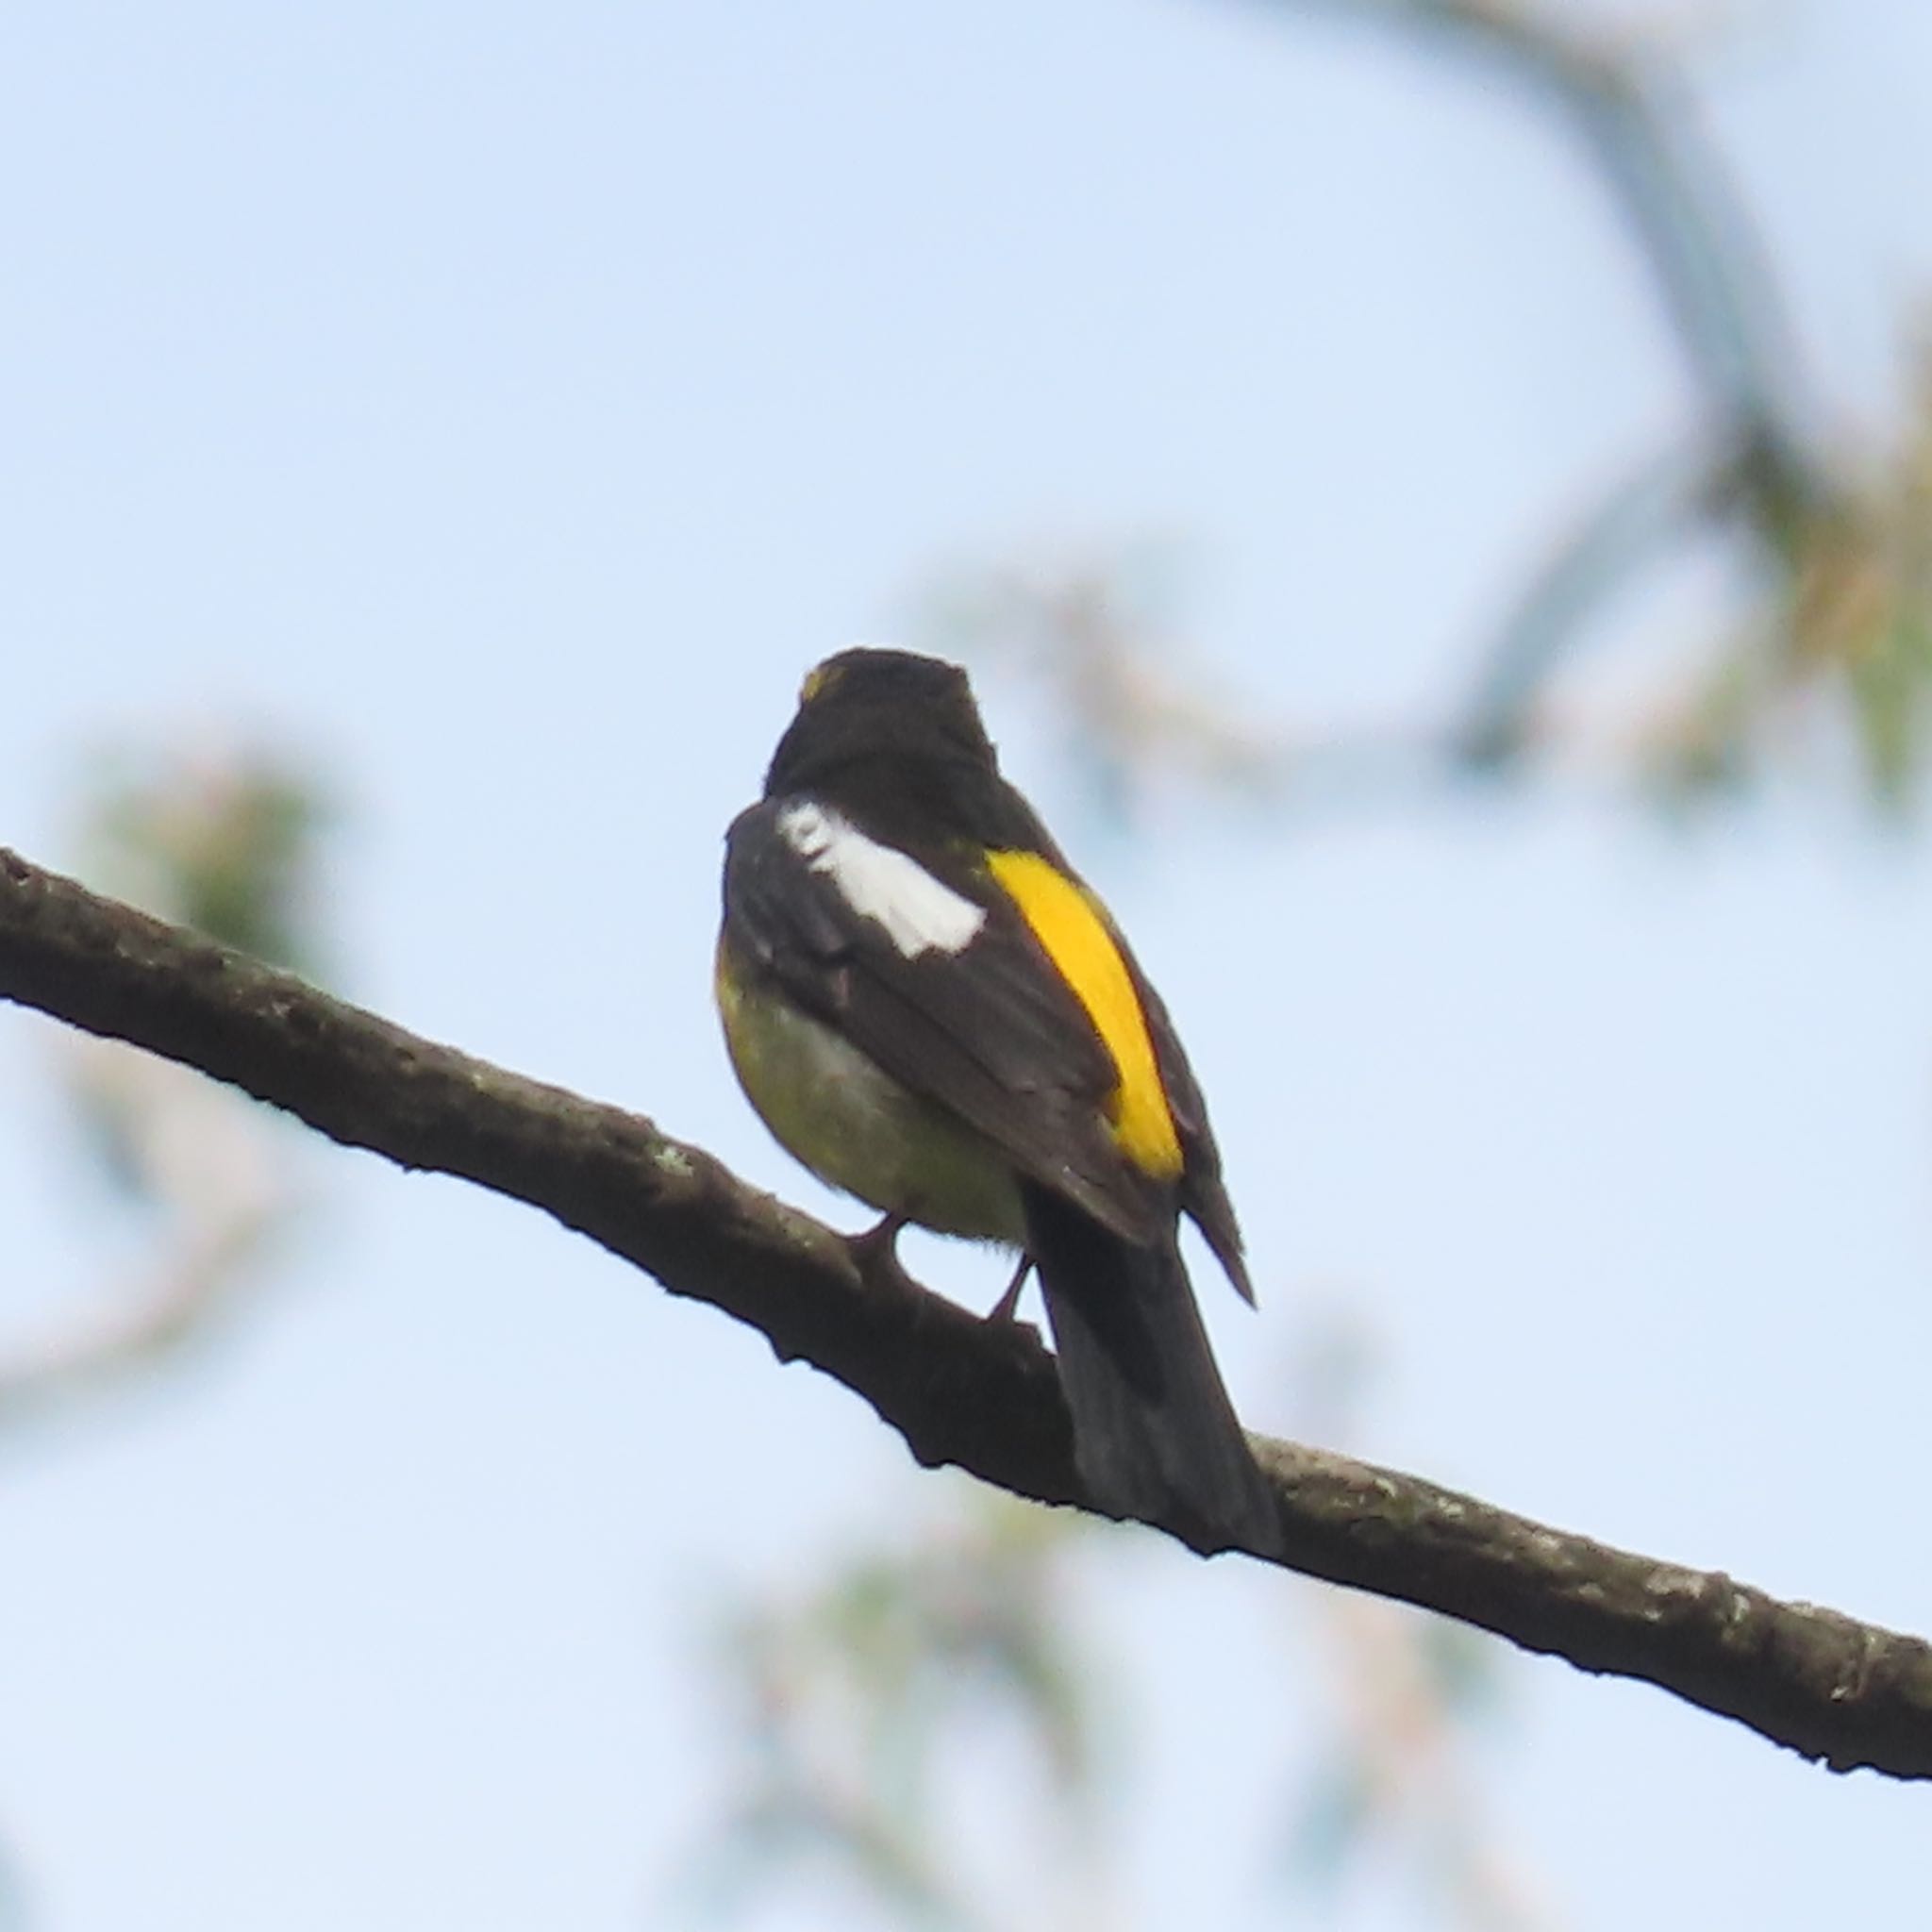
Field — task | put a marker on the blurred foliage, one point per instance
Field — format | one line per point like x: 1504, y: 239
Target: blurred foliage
x: 1831, y: 647
x: 223, y: 842
x: 1845, y: 611
x: 228, y: 844
x: 1394, y: 1787
x: 1135, y: 703
x: 1827, y: 644
x: 848, y: 1705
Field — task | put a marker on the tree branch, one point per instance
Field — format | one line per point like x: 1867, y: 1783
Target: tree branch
x: 957, y: 1390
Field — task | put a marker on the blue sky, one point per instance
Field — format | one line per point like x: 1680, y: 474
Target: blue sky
x: 505, y: 405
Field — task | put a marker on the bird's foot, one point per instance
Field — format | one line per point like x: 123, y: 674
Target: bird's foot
x: 876, y: 1258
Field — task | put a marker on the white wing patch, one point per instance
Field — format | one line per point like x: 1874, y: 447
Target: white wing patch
x: 920, y: 913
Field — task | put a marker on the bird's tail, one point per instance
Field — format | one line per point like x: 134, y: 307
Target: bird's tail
x: 1155, y: 1435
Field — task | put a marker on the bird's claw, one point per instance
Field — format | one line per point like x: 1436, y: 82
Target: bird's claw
x: 875, y: 1256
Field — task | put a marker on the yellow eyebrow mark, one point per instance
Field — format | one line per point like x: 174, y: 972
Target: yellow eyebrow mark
x: 1068, y: 922
x: 821, y: 677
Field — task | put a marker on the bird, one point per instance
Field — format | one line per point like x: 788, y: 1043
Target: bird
x: 932, y: 1011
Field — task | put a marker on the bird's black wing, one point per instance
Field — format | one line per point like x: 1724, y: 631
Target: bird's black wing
x: 989, y: 1032
x: 1202, y: 1193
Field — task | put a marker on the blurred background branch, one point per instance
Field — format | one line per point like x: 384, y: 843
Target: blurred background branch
x: 1831, y: 542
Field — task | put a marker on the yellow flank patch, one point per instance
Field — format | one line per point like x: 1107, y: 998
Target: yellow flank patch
x: 1067, y: 921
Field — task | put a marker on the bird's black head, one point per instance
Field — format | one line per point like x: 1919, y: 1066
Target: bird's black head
x: 864, y: 695
x: 892, y: 738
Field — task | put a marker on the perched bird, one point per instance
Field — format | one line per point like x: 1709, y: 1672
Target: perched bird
x: 933, y: 1013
